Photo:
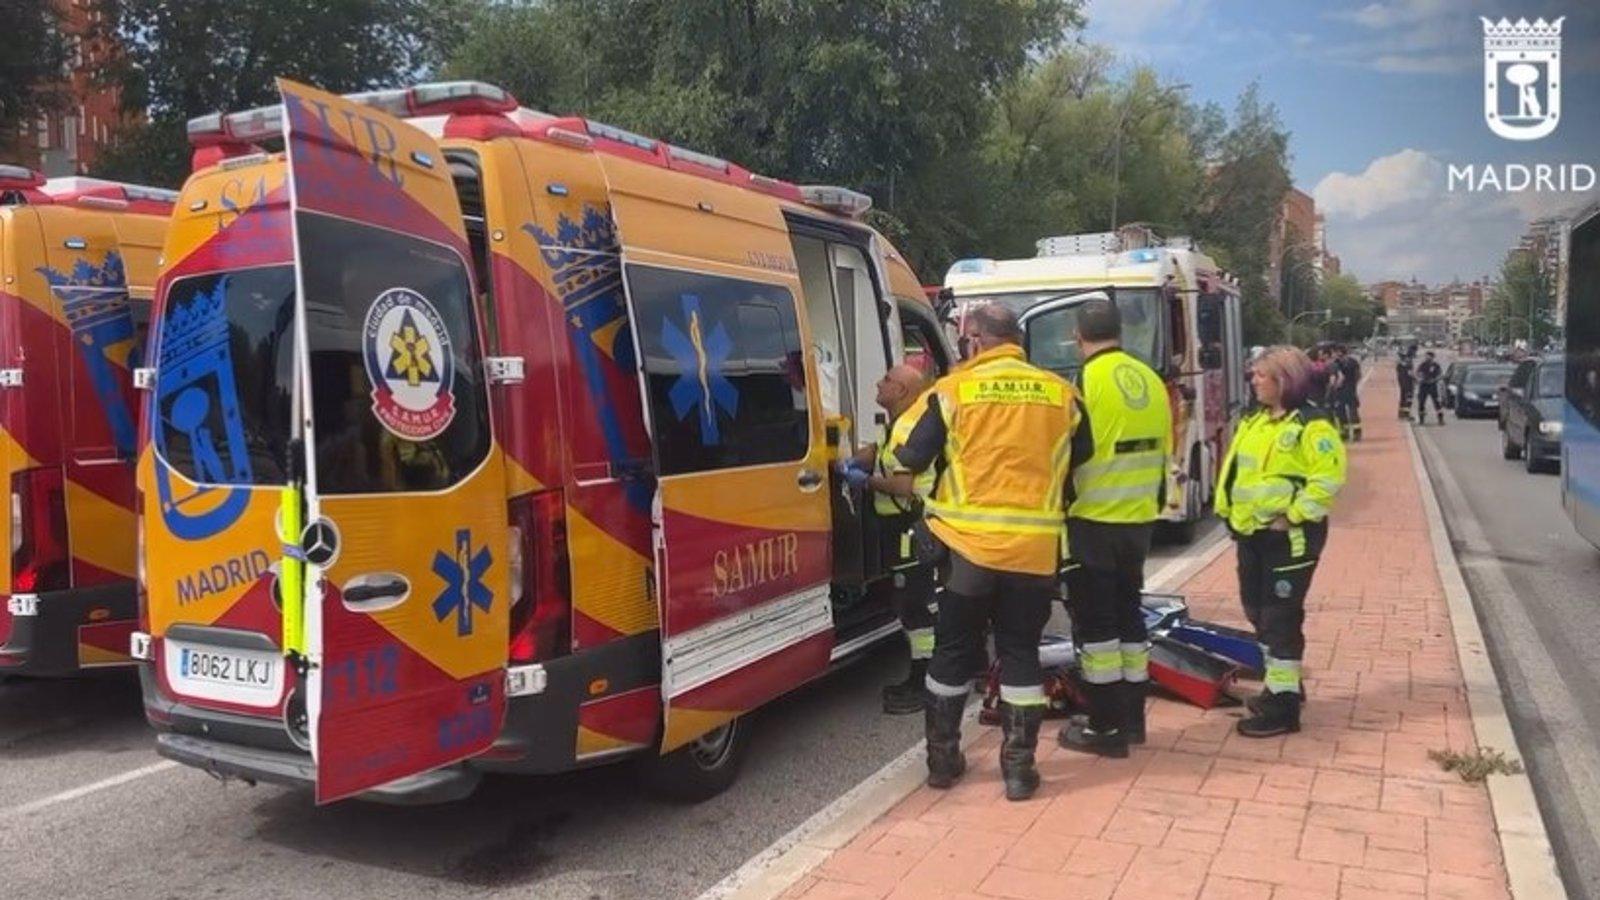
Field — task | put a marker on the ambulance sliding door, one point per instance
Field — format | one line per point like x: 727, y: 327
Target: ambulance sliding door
x: 741, y: 510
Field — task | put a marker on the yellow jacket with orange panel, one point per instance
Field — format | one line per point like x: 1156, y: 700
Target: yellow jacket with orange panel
x: 1005, y: 431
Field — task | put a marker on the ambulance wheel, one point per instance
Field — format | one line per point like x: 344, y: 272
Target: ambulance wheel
x: 702, y: 768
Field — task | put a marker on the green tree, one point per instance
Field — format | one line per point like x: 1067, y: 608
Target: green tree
x: 185, y: 58
x: 1238, y: 205
x: 1344, y: 299
x: 30, y: 72
x: 891, y: 97
x: 1522, y: 303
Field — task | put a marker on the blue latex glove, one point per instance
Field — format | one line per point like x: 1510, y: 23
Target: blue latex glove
x: 856, y: 477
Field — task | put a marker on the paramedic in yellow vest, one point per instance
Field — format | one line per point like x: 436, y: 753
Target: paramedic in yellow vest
x: 1006, y: 433
x: 1276, y: 488
x: 897, y: 498
x: 1116, y: 496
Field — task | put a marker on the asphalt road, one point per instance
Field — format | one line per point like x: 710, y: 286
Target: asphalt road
x: 164, y: 831
x: 1534, y: 582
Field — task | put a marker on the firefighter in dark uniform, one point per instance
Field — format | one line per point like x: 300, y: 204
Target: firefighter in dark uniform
x: 897, y: 498
x: 1428, y: 386
x: 1277, y: 485
x: 1349, y: 393
x: 1116, y: 497
x: 1408, y: 383
x: 1006, y: 432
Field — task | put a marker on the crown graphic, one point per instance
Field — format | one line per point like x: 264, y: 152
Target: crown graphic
x: 1521, y: 34
x: 195, y: 327
x: 89, y: 292
x: 573, y: 240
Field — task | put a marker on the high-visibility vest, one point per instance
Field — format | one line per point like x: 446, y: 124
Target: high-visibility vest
x: 1132, y: 423
x: 898, y: 432
x: 1292, y: 466
x: 1008, y: 445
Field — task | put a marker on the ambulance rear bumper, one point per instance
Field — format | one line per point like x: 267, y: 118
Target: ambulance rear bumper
x: 296, y: 770
x: 46, y: 629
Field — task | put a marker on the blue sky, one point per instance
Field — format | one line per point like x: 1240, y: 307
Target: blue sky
x: 1380, y: 96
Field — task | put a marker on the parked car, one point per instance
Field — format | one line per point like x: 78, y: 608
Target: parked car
x: 1530, y: 413
x: 1477, y: 390
x: 1453, y: 374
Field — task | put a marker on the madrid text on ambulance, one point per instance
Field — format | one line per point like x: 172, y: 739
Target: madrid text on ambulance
x: 1518, y: 177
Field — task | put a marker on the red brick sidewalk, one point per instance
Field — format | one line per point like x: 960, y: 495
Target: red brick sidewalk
x: 1351, y: 807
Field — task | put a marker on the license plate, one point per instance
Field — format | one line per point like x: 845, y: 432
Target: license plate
x: 248, y: 677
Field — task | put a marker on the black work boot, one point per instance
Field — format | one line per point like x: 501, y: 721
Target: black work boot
x: 1020, y: 725
x: 1254, y: 703
x: 1098, y: 733
x: 906, y: 697
x: 1132, y: 699
x: 942, y: 722
x: 1277, y: 714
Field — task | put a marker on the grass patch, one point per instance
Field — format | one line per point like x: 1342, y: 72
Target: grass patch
x: 1474, y: 767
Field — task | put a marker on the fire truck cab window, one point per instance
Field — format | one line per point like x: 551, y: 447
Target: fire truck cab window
x: 724, y: 367
x: 397, y: 392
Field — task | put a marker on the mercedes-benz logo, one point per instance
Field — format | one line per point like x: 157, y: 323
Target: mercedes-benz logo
x: 320, y: 543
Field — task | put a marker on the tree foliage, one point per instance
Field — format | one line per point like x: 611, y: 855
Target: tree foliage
x: 184, y: 58
x: 892, y: 97
x: 1344, y: 299
x: 978, y: 126
x: 1522, y: 305
x: 30, y: 71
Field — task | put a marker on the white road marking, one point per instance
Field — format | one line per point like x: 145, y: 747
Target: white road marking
x: 34, y: 806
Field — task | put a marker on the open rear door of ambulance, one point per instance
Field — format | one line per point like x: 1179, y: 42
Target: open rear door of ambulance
x: 405, y: 534
x: 742, y: 518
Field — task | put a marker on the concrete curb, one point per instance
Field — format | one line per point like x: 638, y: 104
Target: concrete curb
x: 1524, y: 843
x: 775, y: 869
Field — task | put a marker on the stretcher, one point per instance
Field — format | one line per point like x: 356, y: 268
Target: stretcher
x: 1192, y: 659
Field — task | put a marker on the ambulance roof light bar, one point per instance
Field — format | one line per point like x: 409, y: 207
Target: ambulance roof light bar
x: 79, y: 186
x: 839, y: 200
x: 434, y: 98
x: 16, y: 178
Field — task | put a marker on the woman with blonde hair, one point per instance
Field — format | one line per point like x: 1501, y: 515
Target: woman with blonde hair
x: 1277, y: 484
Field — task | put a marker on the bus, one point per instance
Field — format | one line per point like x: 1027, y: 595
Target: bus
x: 1180, y: 314
x: 1580, y: 444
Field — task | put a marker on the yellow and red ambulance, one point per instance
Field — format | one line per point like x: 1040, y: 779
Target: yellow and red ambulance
x: 480, y: 439
x: 78, y: 261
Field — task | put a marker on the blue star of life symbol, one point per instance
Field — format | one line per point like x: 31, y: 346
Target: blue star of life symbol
x: 700, y: 357
x: 463, y: 582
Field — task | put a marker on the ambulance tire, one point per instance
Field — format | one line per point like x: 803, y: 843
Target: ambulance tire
x: 701, y: 769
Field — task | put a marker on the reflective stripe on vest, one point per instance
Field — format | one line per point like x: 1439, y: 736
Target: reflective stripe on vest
x: 1008, y: 443
x: 1132, y: 421
x: 886, y: 504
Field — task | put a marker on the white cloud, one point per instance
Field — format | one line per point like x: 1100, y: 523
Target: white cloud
x: 1397, y: 219
x: 1125, y: 18
x: 1389, y: 15
x: 1388, y: 181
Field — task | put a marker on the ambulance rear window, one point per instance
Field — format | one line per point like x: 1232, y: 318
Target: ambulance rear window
x: 224, y: 374
x: 398, y: 398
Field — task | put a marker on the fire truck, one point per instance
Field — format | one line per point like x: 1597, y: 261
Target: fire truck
x: 77, y: 268
x: 1180, y: 314
x: 479, y: 439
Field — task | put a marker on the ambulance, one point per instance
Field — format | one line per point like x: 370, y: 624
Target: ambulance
x: 77, y: 270
x: 1180, y: 313
x: 484, y: 440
